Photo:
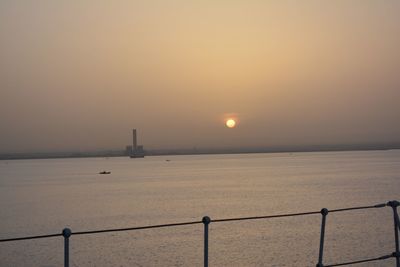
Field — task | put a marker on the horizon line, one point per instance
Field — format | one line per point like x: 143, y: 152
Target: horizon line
x: 200, y: 151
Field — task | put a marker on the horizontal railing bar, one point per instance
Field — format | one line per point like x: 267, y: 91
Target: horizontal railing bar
x: 194, y: 222
x: 102, y: 231
x: 266, y: 217
x: 297, y: 214
x: 135, y: 228
x: 360, y: 208
x: 360, y: 261
x: 29, y: 237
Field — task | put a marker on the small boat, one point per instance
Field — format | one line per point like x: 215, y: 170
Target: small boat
x: 104, y: 172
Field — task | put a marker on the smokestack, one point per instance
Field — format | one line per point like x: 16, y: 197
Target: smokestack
x: 134, y: 139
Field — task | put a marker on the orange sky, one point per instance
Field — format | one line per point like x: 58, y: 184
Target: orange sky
x: 81, y: 74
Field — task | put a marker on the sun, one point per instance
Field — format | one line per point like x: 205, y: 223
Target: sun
x: 230, y: 123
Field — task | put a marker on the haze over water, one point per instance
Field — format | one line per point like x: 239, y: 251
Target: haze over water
x: 44, y: 196
x: 78, y: 75
x: 198, y: 76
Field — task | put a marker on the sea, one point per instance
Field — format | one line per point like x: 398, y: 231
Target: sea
x: 43, y: 196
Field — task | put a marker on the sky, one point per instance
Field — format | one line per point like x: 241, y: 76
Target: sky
x: 79, y: 75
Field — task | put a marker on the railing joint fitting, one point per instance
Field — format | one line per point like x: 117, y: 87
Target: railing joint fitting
x: 206, y: 220
x: 393, y: 204
x: 324, y: 211
x: 66, y: 232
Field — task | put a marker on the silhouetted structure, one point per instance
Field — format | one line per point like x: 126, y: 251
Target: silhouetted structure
x: 135, y: 150
x: 134, y: 139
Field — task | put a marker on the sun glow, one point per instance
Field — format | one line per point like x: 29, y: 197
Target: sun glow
x: 230, y: 123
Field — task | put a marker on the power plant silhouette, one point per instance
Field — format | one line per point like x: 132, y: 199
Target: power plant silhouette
x: 135, y: 150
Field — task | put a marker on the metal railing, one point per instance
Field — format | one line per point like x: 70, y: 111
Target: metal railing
x: 67, y: 233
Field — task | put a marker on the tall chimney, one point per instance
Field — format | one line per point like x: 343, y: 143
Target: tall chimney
x: 134, y: 139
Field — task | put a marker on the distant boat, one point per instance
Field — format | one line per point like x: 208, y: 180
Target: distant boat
x: 104, y: 172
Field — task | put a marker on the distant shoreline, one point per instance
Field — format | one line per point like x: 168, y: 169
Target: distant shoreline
x: 196, y: 151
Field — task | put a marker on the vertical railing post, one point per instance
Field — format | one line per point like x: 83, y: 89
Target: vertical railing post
x: 66, y: 232
x: 324, y: 212
x: 394, y: 204
x: 206, y: 221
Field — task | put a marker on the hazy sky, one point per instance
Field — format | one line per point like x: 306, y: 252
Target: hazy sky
x: 81, y: 74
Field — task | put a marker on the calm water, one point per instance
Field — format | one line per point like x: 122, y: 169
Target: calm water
x: 44, y: 196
